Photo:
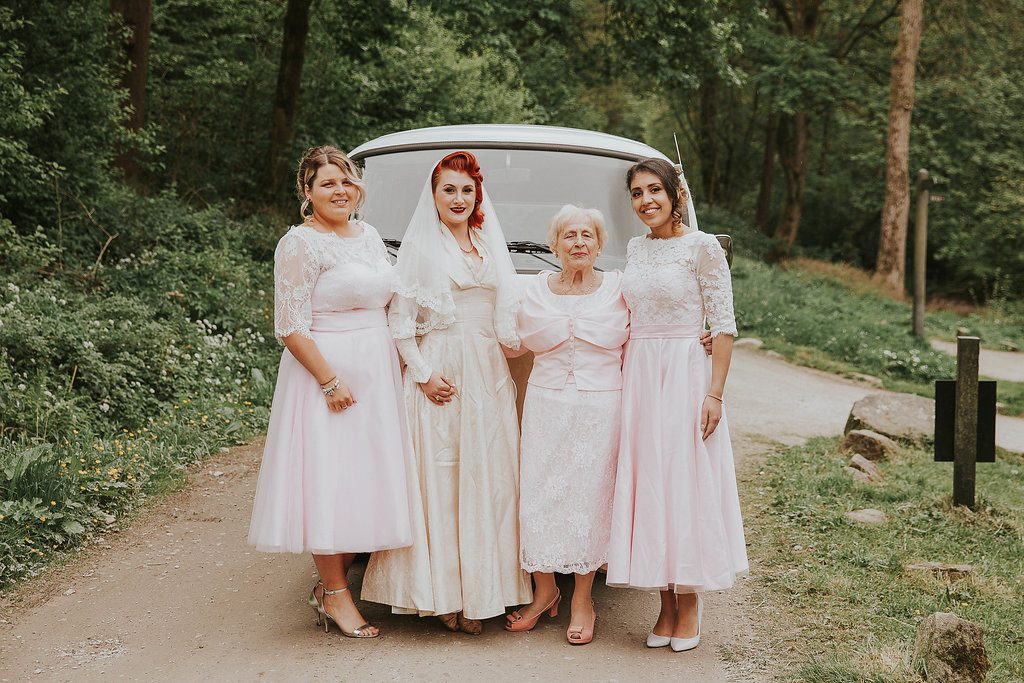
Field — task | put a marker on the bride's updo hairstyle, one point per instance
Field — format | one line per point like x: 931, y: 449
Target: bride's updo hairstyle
x: 463, y: 162
x: 315, y: 158
x: 669, y: 177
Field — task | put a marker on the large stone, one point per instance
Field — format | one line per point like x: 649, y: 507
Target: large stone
x: 897, y: 416
x: 857, y: 475
x: 859, y: 462
x: 950, y: 649
x: 869, y: 516
x: 871, y: 445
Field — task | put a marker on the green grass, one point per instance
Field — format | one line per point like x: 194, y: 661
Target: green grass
x: 843, y: 325
x: 838, y: 589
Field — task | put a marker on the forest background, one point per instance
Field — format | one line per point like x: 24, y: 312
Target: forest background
x: 146, y: 148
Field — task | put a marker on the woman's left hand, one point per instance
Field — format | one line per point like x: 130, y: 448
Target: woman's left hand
x: 710, y: 416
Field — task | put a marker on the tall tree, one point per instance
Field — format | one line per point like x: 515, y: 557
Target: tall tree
x: 801, y: 20
x: 136, y: 16
x: 286, y: 96
x: 892, y: 243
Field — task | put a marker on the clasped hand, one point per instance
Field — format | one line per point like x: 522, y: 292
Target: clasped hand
x: 439, y: 389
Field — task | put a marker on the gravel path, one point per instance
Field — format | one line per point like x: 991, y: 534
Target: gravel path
x: 1004, y: 365
x: 178, y: 596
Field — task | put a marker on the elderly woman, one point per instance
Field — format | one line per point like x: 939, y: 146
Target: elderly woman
x: 336, y: 461
x: 576, y: 323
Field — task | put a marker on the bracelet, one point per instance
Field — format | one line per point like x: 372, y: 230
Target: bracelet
x: 324, y: 384
x: 329, y: 391
x: 717, y: 398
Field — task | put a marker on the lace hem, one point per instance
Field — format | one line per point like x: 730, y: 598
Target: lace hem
x: 553, y: 566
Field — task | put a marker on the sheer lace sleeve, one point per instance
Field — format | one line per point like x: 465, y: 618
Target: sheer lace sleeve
x: 415, y: 364
x: 380, y: 251
x: 715, y: 285
x: 296, y: 269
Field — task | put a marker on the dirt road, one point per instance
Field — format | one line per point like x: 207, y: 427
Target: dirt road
x: 178, y: 596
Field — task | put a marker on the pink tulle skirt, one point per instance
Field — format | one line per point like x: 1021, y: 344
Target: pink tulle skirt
x: 676, y: 522
x: 336, y: 482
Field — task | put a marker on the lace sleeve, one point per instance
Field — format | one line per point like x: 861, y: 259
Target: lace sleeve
x: 379, y: 250
x: 416, y: 365
x: 715, y: 286
x: 295, y: 272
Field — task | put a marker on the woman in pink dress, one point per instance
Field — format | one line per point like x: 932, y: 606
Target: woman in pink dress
x: 333, y: 478
x: 676, y: 524
x: 575, y: 322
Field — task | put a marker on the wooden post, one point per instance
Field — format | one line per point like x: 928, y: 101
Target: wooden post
x: 965, y: 438
x: 920, y: 251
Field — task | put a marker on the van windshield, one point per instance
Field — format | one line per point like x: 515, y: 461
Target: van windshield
x: 527, y: 188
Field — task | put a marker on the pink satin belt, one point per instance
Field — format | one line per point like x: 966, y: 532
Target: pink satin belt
x: 664, y: 331
x: 347, y: 321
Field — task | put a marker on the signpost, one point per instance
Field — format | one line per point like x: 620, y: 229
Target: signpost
x: 920, y: 250
x: 965, y: 421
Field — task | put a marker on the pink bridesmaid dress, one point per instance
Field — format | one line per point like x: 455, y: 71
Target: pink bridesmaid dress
x: 333, y: 482
x: 676, y: 521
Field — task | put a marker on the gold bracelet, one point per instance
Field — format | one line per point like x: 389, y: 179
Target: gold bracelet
x: 717, y: 398
x: 324, y: 384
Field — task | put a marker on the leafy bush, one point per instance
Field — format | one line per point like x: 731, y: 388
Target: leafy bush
x: 115, y: 374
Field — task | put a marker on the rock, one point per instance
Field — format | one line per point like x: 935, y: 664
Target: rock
x: 857, y: 475
x: 867, y: 516
x: 871, y: 445
x: 870, y: 469
x: 867, y: 379
x: 1007, y: 345
x: 897, y: 416
x: 952, y: 572
x: 950, y: 649
x: 748, y: 343
x: 963, y: 332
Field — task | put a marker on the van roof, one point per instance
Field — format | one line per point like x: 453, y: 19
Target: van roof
x: 505, y: 136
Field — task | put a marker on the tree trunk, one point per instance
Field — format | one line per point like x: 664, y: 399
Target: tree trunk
x: 764, y: 194
x: 793, y: 160
x: 137, y: 16
x: 286, y: 96
x: 708, y: 138
x: 892, y: 243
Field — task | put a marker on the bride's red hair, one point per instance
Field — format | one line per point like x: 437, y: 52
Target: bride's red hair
x: 464, y: 162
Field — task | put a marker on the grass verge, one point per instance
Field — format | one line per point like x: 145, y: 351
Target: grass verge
x: 839, y: 590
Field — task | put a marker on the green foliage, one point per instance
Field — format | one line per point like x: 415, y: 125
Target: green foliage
x: 841, y: 589
x: 370, y: 69
x: 61, y: 119
x: 115, y: 375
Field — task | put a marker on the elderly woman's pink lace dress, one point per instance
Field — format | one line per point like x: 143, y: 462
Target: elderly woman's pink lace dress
x: 334, y: 482
x: 676, y: 521
x: 570, y: 424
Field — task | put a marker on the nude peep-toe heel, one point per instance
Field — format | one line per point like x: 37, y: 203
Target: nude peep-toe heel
x: 517, y: 622
x: 321, y: 614
x: 581, y: 635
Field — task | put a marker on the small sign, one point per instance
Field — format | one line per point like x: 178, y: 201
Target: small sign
x: 945, y: 418
x: 936, y: 197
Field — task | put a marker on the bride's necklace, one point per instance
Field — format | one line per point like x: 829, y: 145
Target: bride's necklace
x: 466, y: 251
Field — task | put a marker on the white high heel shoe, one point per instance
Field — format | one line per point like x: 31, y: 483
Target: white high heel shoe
x: 684, y: 644
x: 654, y: 640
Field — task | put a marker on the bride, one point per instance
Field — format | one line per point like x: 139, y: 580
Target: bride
x: 454, y: 307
